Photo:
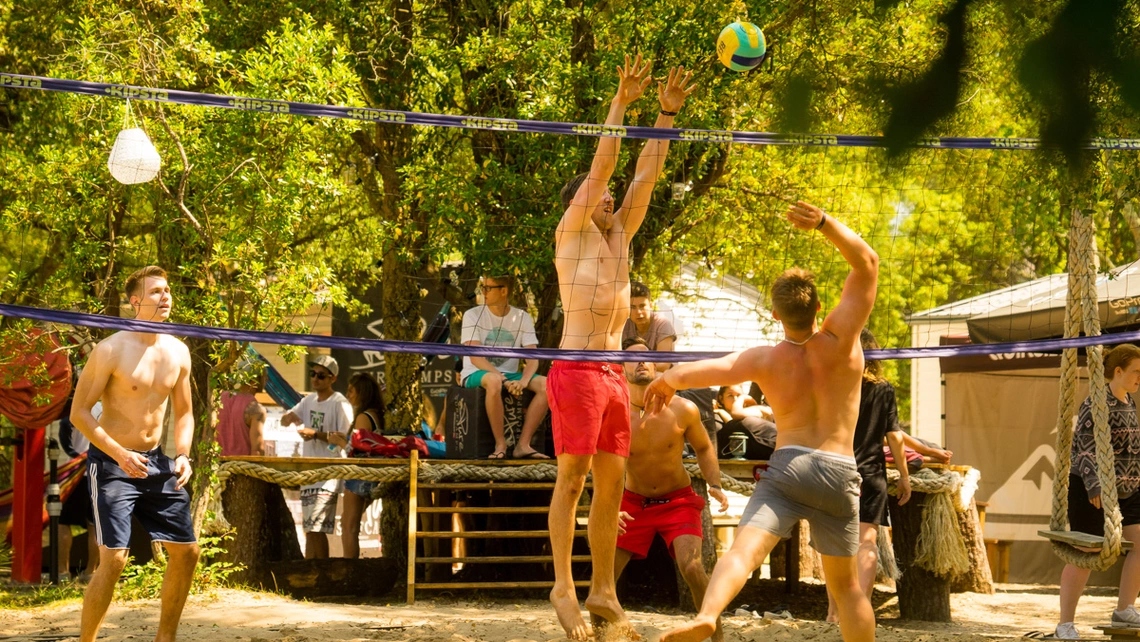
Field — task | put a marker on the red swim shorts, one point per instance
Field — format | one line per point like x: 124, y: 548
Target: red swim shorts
x: 589, y: 403
x: 672, y: 515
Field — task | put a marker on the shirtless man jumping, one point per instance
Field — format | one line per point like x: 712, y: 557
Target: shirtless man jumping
x: 659, y: 497
x: 812, y: 382
x: 589, y: 401
x: 135, y: 374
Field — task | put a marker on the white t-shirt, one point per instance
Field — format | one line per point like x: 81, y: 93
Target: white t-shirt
x: 331, y: 415
x: 514, y: 330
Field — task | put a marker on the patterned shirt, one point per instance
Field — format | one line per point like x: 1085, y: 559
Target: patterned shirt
x: 1125, y: 446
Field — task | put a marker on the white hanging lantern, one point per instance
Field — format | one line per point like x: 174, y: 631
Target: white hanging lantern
x: 134, y: 158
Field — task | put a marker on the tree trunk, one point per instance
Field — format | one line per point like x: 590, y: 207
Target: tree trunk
x: 811, y: 563
x: 922, y: 594
x: 264, y: 532
x: 394, y: 527
x: 978, y: 579
x: 401, y: 321
x: 205, y: 449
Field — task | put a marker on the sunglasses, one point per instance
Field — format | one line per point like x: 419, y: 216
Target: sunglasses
x: 488, y: 288
x: 320, y: 376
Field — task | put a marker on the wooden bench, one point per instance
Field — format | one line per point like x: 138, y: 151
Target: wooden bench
x: 1083, y: 540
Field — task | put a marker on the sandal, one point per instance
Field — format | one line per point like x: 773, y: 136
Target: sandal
x: 498, y: 454
x: 534, y: 454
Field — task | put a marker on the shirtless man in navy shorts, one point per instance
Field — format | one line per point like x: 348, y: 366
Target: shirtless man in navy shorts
x: 136, y: 374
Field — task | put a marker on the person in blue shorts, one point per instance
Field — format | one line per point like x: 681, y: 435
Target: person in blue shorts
x: 136, y: 375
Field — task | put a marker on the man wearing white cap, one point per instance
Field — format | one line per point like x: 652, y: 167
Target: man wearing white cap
x: 325, y: 417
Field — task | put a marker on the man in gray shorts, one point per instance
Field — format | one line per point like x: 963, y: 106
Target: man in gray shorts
x: 812, y: 382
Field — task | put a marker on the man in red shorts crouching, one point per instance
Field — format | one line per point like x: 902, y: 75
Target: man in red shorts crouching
x: 659, y: 498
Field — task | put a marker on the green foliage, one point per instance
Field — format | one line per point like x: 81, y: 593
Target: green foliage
x: 264, y: 217
x: 144, y: 582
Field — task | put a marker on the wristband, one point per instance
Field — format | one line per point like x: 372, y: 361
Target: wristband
x: 716, y: 487
x: 821, y: 221
x: 188, y: 460
x: 668, y: 113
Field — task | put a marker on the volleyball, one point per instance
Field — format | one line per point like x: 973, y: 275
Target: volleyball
x: 740, y: 46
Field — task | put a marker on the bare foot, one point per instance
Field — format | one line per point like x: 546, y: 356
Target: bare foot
x: 696, y: 631
x: 718, y: 634
x: 607, y: 609
x: 569, y: 615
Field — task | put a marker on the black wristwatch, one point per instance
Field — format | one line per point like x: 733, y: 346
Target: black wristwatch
x: 715, y: 486
x: 188, y: 460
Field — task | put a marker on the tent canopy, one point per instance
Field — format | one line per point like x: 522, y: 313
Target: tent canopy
x: 1042, y: 315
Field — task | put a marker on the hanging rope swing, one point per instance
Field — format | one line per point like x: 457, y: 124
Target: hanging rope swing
x: 1082, y: 315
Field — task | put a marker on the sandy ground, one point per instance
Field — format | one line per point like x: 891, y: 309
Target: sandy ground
x: 261, y: 617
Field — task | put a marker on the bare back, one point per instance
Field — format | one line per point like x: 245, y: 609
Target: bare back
x: 813, y: 391
x: 135, y: 378
x: 593, y: 279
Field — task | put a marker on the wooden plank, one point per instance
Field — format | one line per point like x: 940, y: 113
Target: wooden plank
x: 489, y: 534
x: 1076, y: 538
x: 413, y: 474
x: 493, y: 510
x: 493, y: 585
x: 498, y: 559
x: 1119, y: 633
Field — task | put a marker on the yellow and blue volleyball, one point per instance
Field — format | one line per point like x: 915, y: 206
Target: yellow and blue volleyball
x: 740, y: 46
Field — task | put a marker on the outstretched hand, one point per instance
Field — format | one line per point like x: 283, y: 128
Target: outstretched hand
x: 675, y: 89
x: 658, y: 395
x: 804, y: 215
x: 633, y: 79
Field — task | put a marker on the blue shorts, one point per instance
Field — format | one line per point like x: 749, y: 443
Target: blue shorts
x: 162, y: 509
x: 475, y: 379
x: 360, y: 487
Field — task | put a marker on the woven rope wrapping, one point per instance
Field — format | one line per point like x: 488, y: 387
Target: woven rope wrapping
x: 1082, y: 313
x: 941, y: 547
x: 428, y: 472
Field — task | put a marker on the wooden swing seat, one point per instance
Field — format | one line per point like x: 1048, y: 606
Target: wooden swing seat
x: 1083, y: 540
x: 1119, y: 634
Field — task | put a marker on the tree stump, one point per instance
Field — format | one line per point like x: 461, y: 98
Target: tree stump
x: 922, y: 594
x: 394, y: 527
x: 264, y: 532
x: 978, y: 579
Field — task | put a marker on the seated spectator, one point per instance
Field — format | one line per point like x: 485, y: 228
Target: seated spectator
x: 740, y: 414
x: 656, y: 330
x: 367, y: 401
x: 497, y: 323
x: 241, y: 421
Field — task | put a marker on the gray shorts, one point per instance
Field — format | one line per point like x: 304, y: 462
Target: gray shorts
x: 318, y: 510
x: 821, y: 487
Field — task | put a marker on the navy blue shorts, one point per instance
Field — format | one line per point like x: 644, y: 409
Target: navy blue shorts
x: 162, y: 509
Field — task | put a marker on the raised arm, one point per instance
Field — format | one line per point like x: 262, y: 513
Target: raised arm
x: 690, y: 419
x: 633, y: 79
x: 728, y: 370
x: 850, y: 316
x: 671, y: 94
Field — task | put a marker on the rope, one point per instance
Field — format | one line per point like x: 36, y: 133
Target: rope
x: 1082, y: 313
x: 941, y: 548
